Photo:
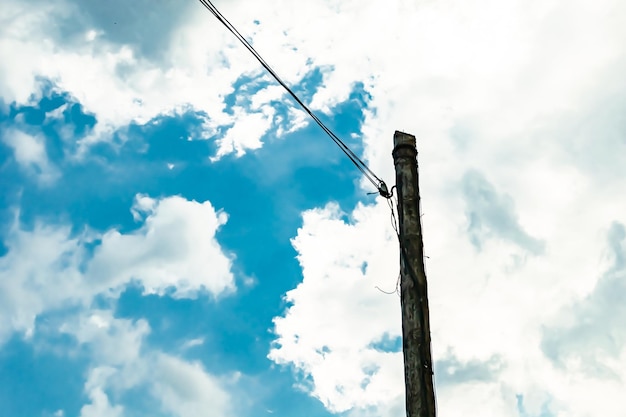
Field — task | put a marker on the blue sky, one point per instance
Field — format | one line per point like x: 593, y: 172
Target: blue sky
x: 178, y: 239
x: 264, y: 191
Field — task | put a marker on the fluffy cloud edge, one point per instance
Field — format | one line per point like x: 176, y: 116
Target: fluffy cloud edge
x: 174, y: 251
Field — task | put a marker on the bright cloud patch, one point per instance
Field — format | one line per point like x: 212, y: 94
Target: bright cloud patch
x: 493, y: 349
x: 40, y: 271
x: 246, y: 132
x: 122, y: 363
x: 187, y: 390
x: 174, y: 251
x: 124, y: 74
x: 30, y: 154
x: 340, y: 331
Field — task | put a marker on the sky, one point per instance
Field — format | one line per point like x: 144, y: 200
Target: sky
x: 178, y: 239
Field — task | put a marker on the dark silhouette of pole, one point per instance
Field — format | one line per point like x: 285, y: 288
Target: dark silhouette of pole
x: 418, y: 370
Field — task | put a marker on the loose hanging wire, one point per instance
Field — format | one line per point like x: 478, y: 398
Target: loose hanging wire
x: 361, y: 166
x: 391, y: 201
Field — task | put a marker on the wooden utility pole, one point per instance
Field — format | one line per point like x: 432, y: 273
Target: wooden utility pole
x: 418, y: 370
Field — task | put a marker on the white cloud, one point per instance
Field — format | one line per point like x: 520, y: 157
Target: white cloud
x: 174, y: 251
x: 427, y: 66
x: 337, y: 316
x: 30, y: 153
x: 488, y: 317
x: 191, y: 343
x: 121, y: 79
x: 523, y: 95
x: 97, y: 328
x: 298, y: 120
x: 100, y: 406
x: 121, y: 360
x: 186, y: 390
x: 39, y: 272
x: 246, y: 132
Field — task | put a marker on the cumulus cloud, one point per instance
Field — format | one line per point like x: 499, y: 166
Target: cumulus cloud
x: 100, y: 406
x: 517, y: 116
x: 174, y: 251
x: 185, y: 389
x: 529, y: 92
x: 31, y: 155
x: 335, y: 330
x: 429, y: 67
x: 509, y: 336
x: 130, y: 67
x: 121, y: 361
x: 340, y: 334
x: 41, y: 270
x: 246, y: 132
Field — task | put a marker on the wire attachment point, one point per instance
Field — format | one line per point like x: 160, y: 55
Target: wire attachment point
x: 384, y: 191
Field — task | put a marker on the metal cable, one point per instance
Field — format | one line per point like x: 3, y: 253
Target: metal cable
x: 361, y: 166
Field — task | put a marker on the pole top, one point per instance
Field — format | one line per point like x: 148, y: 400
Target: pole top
x: 401, y: 138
